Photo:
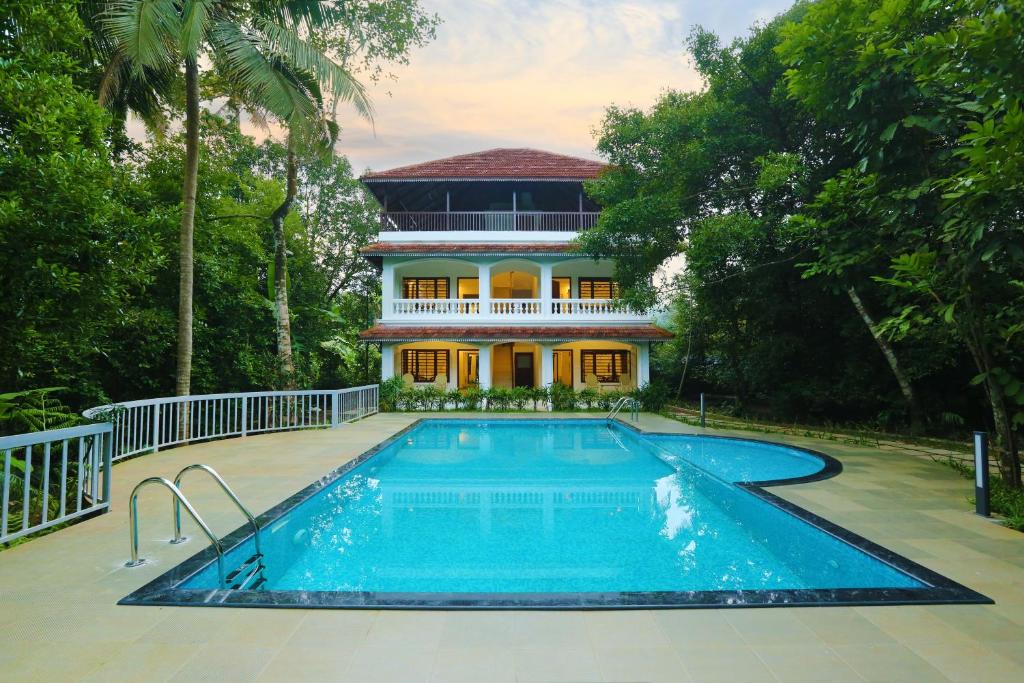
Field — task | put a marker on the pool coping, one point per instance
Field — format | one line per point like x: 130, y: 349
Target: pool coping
x: 163, y: 591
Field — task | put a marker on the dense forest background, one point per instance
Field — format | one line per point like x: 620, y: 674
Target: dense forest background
x: 89, y: 225
x: 847, y: 192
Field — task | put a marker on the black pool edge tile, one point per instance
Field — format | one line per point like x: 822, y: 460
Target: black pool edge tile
x: 939, y: 590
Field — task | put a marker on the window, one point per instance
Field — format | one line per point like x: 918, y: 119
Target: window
x: 425, y: 287
x: 469, y: 288
x: 606, y: 365
x: 598, y: 288
x: 424, y: 364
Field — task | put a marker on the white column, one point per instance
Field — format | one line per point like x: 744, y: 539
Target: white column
x: 643, y: 364
x: 547, y: 366
x: 387, y: 361
x: 387, y: 289
x: 545, y: 290
x: 484, y: 275
x: 484, y: 369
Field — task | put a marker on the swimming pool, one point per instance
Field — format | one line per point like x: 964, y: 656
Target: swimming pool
x: 557, y: 513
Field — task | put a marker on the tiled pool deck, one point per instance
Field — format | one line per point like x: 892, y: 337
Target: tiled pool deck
x: 60, y: 621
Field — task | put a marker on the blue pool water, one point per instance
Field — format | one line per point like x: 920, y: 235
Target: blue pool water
x: 558, y: 506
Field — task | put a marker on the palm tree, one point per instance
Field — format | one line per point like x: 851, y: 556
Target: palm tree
x: 260, y: 45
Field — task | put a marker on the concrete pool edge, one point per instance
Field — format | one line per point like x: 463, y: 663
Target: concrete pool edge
x: 163, y: 590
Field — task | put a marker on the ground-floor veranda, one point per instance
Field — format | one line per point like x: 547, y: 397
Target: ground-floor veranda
x: 604, y: 365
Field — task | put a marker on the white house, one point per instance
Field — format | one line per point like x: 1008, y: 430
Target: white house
x: 482, y: 284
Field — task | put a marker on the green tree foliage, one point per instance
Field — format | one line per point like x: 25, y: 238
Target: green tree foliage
x: 928, y: 97
x: 89, y: 236
x: 77, y: 243
x: 717, y: 176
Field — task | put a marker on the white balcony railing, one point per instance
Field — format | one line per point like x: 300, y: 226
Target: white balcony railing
x: 519, y: 310
x: 519, y: 221
x: 590, y: 307
x: 425, y: 308
x: 514, y: 308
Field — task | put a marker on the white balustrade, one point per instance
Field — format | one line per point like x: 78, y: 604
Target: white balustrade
x: 435, y: 307
x: 473, y: 310
x: 593, y: 308
x: 514, y: 308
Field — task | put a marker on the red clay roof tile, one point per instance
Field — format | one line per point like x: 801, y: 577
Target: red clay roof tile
x: 497, y: 163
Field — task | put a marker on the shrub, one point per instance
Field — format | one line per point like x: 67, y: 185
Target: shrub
x: 453, y: 399
x: 588, y: 397
x: 472, y: 397
x: 408, y: 399
x: 562, y: 397
x: 520, y: 396
x: 539, y: 396
x: 431, y: 398
x: 499, y: 398
x: 390, y: 389
x: 653, y: 396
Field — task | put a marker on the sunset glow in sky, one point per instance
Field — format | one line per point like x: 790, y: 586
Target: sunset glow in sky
x: 533, y: 73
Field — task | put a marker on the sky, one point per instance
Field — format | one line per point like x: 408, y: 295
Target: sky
x: 533, y: 73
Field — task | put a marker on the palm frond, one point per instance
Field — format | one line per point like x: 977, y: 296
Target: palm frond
x: 304, y: 56
x: 146, y: 31
x: 245, y: 57
x: 195, y: 21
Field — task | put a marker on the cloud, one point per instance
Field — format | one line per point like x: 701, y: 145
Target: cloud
x: 532, y: 73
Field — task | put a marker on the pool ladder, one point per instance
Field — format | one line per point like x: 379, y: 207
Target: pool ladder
x: 248, y: 575
x: 634, y: 408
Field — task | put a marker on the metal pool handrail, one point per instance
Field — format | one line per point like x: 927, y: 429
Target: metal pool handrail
x: 178, y: 538
x: 624, y: 401
x: 133, y: 524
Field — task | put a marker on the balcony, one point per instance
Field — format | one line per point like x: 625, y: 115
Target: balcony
x: 487, y: 221
x: 512, y: 311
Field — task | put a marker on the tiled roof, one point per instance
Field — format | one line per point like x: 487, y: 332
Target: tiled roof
x: 497, y: 163
x: 546, y: 333
x: 484, y: 248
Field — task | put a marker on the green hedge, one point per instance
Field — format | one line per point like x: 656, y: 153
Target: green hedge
x: 395, y: 396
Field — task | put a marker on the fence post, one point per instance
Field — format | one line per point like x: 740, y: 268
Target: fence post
x: 108, y: 463
x: 981, y: 491
x: 335, y: 397
x: 703, y: 413
x: 245, y: 416
x: 156, y: 427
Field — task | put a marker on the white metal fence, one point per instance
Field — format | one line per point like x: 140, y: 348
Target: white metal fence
x: 152, y: 424
x: 53, y: 477
x: 58, y: 475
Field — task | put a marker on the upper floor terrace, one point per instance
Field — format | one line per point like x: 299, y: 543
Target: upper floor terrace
x: 510, y: 195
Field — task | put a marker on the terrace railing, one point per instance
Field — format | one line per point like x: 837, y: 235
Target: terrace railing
x: 152, y: 424
x: 59, y: 475
x: 522, y: 310
x: 518, y: 221
x: 53, y: 477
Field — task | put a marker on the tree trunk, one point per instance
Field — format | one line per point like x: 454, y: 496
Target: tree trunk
x: 686, y: 363
x: 183, y: 377
x: 906, y: 388
x: 1009, y: 452
x: 281, y: 316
